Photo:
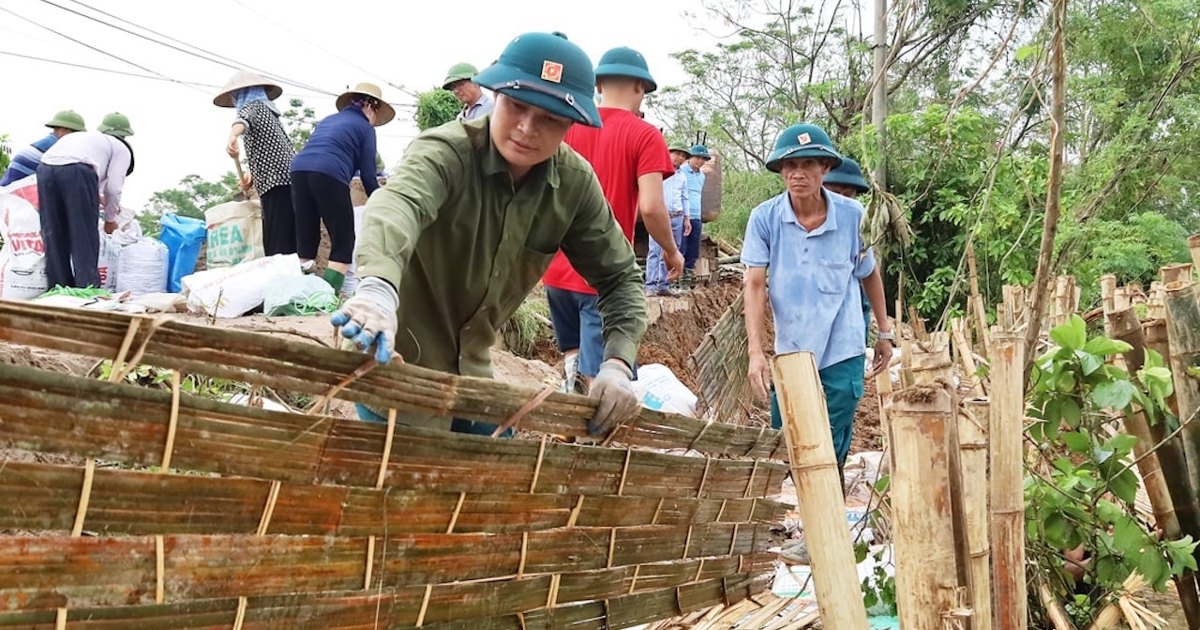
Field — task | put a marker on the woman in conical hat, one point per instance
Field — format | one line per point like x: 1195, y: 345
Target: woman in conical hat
x: 269, y: 154
x: 342, y: 144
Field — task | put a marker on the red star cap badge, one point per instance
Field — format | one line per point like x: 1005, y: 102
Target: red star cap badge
x: 552, y: 71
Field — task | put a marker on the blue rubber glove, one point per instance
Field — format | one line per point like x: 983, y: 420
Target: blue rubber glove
x: 613, y: 388
x: 369, y: 318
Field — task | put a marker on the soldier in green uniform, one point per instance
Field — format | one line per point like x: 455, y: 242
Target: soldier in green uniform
x: 474, y: 214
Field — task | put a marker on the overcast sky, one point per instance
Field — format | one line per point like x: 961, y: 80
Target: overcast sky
x: 324, y: 46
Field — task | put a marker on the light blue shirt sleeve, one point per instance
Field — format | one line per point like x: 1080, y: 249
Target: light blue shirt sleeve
x: 756, y: 248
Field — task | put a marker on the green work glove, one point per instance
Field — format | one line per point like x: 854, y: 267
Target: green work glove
x: 369, y: 318
x: 613, y: 388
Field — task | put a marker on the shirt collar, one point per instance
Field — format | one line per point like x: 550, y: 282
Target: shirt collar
x: 789, y: 215
x: 494, y: 164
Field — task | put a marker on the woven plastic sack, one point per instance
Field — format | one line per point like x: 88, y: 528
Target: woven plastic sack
x: 306, y: 295
x: 237, y: 290
x: 142, y: 267
x: 23, y: 257
x: 234, y: 233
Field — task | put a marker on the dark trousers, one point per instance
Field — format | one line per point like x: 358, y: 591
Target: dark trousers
x: 279, y: 221
x: 318, y: 198
x: 691, y: 246
x: 69, y: 208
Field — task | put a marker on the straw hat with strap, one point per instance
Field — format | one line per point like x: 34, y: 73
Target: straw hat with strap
x: 385, y: 113
x: 245, y: 79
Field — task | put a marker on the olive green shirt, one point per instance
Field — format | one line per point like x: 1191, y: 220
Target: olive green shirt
x: 463, y: 244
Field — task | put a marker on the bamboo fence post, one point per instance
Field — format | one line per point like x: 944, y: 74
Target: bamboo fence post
x: 1179, y: 272
x: 1193, y: 242
x: 1164, y: 491
x: 1108, y: 295
x: 1054, y: 608
x: 1183, y: 325
x: 819, y: 491
x: 973, y: 446
x: 1156, y: 301
x: 977, y: 306
x: 962, y: 348
x: 922, y: 517
x: 1006, y: 431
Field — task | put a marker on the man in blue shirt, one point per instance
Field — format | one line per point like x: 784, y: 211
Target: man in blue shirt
x: 26, y: 161
x: 695, y: 185
x: 810, y: 240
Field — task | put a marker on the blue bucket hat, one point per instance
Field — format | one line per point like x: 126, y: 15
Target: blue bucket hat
x: 546, y: 71
x: 800, y: 141
x: 700, y: 151
x: 626, y: 62
x: 848, y: 173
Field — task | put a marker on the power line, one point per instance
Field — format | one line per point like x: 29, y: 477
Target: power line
x: 99, y: 50
x: 207, y: 55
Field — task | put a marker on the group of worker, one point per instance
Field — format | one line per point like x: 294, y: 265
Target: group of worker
x: 537, y: 183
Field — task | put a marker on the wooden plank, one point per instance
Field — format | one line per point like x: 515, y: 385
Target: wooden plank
x: 262, y: 359
x: 49, y: 572
x: 48, y: 412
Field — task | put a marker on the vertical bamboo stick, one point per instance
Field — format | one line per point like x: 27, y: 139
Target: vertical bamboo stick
x: 977, y: 306
x: 1108, y: 296
x: 1006, y: 431
x: 819, y: 491
x: 926, y: 568
x: 1183, y: 326
x: 1194, y: 246
x: 966, y: 360
x: 1156, y: 301
x: 973, y: 446
x: 1165, y: 491
x: 1179, y: 272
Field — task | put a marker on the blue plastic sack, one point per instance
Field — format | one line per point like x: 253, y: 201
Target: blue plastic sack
x: 184, y: 238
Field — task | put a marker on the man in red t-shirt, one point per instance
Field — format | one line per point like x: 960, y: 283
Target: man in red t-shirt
x: 630, y: 158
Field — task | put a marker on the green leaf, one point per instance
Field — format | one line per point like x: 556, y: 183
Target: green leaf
x: 1103, y: 346
x: 1088, y: 362
x: 1128, y: 536
x: 1070, y: 413
x: 1153, y: 567
x: 1115, y: 395
x: 1071, y: 335
x: 1121, y: 443
x: 1065, y: 383
x: 1124, y: 486
x: 1055, y: 527
x: 1027, y: 51
x: 1077, y: 442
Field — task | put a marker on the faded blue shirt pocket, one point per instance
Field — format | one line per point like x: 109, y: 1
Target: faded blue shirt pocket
x: 832, y: 276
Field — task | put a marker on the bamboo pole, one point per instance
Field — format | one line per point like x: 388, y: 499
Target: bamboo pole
x: 1165, y: 491
x: 1156, y: 301
x: 1108, y: 293
x: 1183, y: 325
x: 1054, y: 608
x: 973, y: 446
x: 1006, y: 432
x: 1179, y: 272
x: 819, y: 491
x: 962, y: 348
x: 1193, y: 242
x: 977, y: 307
x: 926, y: 564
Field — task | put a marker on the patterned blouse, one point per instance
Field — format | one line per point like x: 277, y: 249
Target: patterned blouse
x: 269, y: 151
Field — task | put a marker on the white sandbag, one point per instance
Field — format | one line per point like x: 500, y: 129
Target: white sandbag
x: 142, y: 267
x: 235, y: 291
x: 351, y: 282
x: 306, y: 295
x: 23, y: 257
x: 234, y: 233
x: 127, y: 233
x: 658, y: 388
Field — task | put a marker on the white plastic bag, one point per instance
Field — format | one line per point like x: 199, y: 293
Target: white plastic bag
x: 235, y: 291
x: 658, y: 388
x: 23, y: 257
x: 234, y: 233
x: 127, y: 233
x: 142, y: 267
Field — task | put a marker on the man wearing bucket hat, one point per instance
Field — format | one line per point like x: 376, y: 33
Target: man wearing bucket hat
x: 26, y: 161
x: 471, y: 219
x: 341, y: 145
x: 809, y: 239
x: 675, y: 193
x: 695, y: 182
x: 475, y: 101
x: 71, y: 178
x: 631, y: 160
x: 269, y: 155
x: 847, y: 180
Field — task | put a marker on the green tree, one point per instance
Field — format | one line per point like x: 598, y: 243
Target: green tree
x: 298, y: 121
x: 190, y: 198
x: 436, y: 107
x: 5, y: 152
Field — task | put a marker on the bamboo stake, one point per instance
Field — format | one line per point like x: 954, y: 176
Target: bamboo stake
x: 981, y: 328
x: 1183, y: 323
x: 1193, y: 242
x: 1006, y: 488
x: 1108, y: 293
x: 962, y: 348
x: 1179, y: 272
x: 1054, y: 608
x: 926, y: 568
x: 819, y: 490
x: 973, y: 445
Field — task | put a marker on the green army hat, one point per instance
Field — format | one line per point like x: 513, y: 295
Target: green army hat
x: 700, y: 151
x: 848, y: 173
x: 802, y: 140
x: 459, y: 72
x: 116, y: 124
x: 626, y: 62
x: 680, y: 147
x: 547, y: 71
x: 67, y: 119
